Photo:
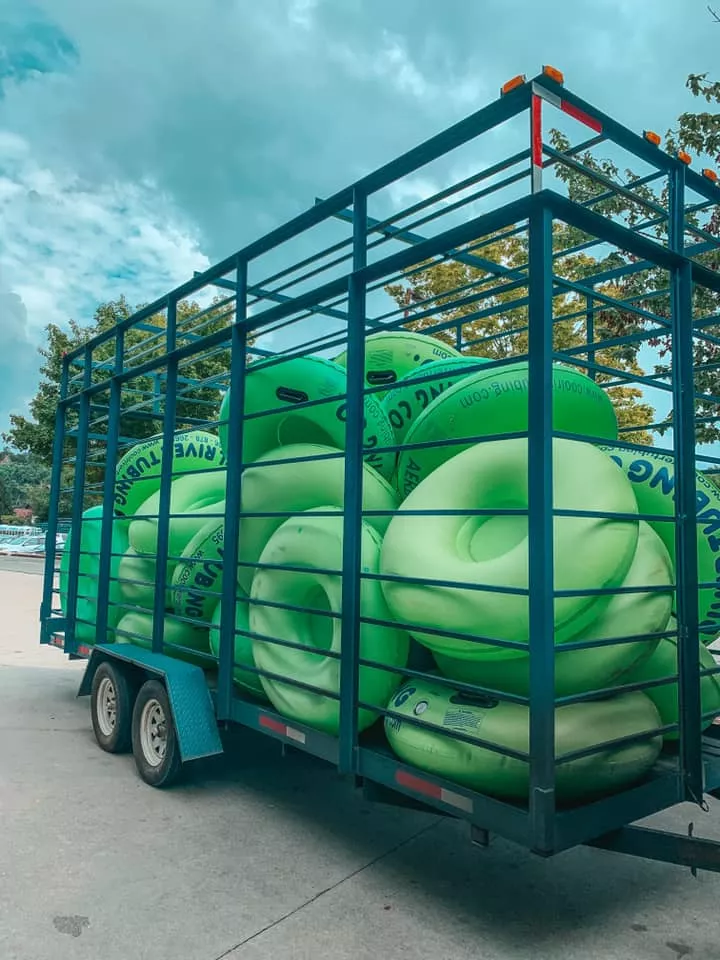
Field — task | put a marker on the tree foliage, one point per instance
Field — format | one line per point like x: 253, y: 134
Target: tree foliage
x: 494, y: 316
x: 143, y: 396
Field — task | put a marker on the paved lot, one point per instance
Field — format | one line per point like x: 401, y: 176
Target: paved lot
x: 256, y: 857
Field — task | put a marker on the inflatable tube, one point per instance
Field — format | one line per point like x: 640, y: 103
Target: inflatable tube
x: 579, y: 671
x: 136, y: 628
x: 271, y: 385
x: 664, y: 663
x: 390, y: 354
x: 315, y: 543
x: 577, y: 726
x: 137, y: 578
x: 496, y: 402
x: 198, y: 494
x: 197, y: 581
x: 291, y: 488
x: 89, y: 572
x: 137, y: 475
x: 652, y: 476
x: 245, y: 679
x: 493, y: 551
x: 407, y: 400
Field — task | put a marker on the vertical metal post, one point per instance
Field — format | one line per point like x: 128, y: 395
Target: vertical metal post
x: 590, y: 335
x: 458, y: 338
x: 233, y: 499
x: 77, y: 502
x: 46, y: 605
x: 686, y: 538
x: 540, y: 530
x: 352, y: 520
x: 166, y: 467
x: 108, y: 514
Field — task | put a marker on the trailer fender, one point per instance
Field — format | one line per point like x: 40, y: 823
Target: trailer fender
x: 187, y: 689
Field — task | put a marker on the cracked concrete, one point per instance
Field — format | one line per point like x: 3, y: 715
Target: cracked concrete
x: 258, y: 857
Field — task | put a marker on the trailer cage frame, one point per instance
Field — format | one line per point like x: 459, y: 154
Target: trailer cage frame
x: 144, y: 370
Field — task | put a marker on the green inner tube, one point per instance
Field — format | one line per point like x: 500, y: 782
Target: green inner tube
x: 664, y: 663
x: 281, y: 387
x: 492, y: 550
x: 597, y: 668
x: 89, y: 572
x: 291, y: 488
x: 408, y: 398
x: 577, y: 726
x: 495, y: 402
x: 137, y: 475
x: 193, y: 499
x: 652, y: 476
x: 390, y: 354
x: 197, y: 581
x: 137, y: 577
x: 136, y: 628
x: 315, y: 543
x: 245, y: 679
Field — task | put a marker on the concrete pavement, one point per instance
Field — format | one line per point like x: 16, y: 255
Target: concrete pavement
x: 258, y: 857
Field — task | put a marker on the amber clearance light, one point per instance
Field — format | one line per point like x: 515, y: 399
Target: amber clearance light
x: 652, y: 137
x: 554, y: 74
x: 513, y: 84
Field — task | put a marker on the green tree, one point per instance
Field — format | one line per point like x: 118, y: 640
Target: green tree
x: 6, y: 504
x: 143, y: 396
x: 21, y: 473
x: 490, y: 306
x: 445, y: 288
x: 699, y: 133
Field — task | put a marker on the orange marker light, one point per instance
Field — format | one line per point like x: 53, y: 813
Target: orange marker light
x: 684, y: 157
x: 557, y: 75
x: 652, y: 137
x: 517, y: 81
x: 710, y: 174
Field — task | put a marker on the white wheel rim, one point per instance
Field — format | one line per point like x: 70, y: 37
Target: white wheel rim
x: 153, y: 732
x: 107, y: 707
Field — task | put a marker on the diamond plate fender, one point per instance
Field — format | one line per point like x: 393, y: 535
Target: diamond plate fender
x: 187, y: 689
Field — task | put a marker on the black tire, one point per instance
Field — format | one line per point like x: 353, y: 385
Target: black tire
x: 154, y: 741
x: 111, y: 707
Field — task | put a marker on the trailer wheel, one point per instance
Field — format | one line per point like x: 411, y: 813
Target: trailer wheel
x: 154, y: 741
x: 111, y: 707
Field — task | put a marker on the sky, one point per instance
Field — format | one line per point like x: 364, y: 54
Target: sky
x: 144, y: 139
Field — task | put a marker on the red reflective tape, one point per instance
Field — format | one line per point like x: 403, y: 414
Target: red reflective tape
x: 273, y: 725
x: 536, y: 125
x: 424, y: 787
x: 580, y: 115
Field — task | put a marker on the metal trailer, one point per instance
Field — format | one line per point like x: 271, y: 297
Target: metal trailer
x: 317, y: 285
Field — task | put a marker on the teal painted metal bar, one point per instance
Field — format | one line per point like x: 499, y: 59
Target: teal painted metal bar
x: 233, y: 506
x: 540, y: 532
x: 353, y: 493
x: 168, y: 446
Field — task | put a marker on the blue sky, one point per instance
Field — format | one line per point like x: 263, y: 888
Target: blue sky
x: 143, y: 139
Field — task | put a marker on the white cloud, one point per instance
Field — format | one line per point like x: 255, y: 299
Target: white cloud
x: 67, y: 245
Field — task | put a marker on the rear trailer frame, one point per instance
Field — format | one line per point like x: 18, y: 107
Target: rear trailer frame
x: 310, y: 287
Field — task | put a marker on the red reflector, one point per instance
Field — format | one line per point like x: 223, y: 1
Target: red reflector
x: 537, y: 142
x: 427, y: 789
x: 270, y: 724
x: 580, y: 115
